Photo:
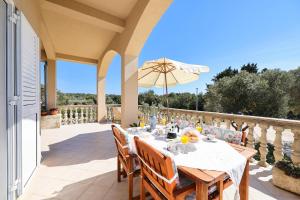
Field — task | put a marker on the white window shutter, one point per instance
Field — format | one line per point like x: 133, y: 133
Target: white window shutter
x: 30, y: 84
x: 30, y: 66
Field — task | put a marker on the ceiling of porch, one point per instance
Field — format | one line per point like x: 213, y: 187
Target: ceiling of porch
x: 83, y: 29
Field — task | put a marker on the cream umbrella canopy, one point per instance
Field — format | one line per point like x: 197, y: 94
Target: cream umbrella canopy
x: 166, y: 73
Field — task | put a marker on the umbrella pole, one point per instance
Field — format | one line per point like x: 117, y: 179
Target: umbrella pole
x: 167, y: 95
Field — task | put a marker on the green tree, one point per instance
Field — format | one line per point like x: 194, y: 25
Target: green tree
x: 228, y: 72
x: 250, y: 67
x: 261, y: 94
x: 149, y: 98
x: 275, y: 98
x: 294, y: 102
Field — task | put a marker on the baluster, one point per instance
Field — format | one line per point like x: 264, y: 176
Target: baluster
x: 218, y: 122
x: 73, y: 116
x: 61, y: 116
x: 109, y: 113
x: 95, y: 113
x: 94, y: 109
x: 296, y: 147
x: 81, y: 115
x: 278, y: 143
x: 90, y: 115
x: 263, y: 145
x: 85, y: 115
x: 65, y: 116
x: 227, y: 123
x: 70, y: 116
x: 76, y: 115
x: 209, y: 120
x: 250, y: 136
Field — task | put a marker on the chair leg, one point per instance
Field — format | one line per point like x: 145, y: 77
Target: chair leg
x: 119, y: 170
x: 220, y: 187
x: 143, y: 196
x: 130, y: 186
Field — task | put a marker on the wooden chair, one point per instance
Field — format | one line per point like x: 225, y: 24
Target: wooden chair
x: 158, y: 176
x: 125, y: 160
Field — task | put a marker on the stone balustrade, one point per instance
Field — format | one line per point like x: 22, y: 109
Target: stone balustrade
x: 282, y: 133
x: 263, y: 130
x: 111, y: 114
x: 78, y: 114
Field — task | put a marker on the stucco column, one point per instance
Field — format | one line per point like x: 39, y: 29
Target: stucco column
x: 101, y: 113
x: 51, y: 84
x: 129, y: 98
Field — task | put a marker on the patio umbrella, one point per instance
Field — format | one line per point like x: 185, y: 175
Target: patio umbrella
x: 166, y: 73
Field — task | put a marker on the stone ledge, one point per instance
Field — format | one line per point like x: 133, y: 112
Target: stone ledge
x: 51, y: 121
x: 280, y: 179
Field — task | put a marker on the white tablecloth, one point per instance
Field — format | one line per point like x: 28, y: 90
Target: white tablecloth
x: 218, y: 156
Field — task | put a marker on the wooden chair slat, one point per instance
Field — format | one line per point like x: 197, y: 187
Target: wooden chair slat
x: 162, y: 165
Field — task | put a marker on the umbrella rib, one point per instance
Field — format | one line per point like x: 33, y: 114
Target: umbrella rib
x: 157, y: 78
x: 145, y: 75
x: 153, y: 66
x: 174, y: 77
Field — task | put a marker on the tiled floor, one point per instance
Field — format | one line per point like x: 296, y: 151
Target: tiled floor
x: 79, y: 163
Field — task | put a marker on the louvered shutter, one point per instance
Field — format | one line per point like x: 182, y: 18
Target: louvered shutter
x: 30, y: 85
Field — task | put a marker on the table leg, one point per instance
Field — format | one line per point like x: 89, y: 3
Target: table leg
x: 201, y: 191
x: 244, y: 185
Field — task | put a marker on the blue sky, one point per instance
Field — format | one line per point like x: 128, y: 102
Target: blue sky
x: 216, y: 33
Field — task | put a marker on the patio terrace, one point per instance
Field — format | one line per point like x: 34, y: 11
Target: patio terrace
x: 79, y: 162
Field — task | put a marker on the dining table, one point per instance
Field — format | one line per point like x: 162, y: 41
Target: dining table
x: 205, y: 178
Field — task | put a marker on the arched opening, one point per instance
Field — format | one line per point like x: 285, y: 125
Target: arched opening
x: 109, y: 87
x: 113, y: 89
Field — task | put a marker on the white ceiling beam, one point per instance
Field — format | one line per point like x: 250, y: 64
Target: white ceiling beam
x: 86, y: 14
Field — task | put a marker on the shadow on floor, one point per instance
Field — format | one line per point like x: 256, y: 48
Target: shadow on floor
x: 261, y: 180
x: 104, y: 186
x: 80, y: 149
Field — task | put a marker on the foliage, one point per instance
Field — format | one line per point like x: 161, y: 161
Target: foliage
x: 289, y: 168
x: 150, y: 98
x: 294, y: 102
x: 271, y: 93
x: 76, y: 98
x: 270, y: 155
x: 228, y: 72
x: 176, y: 100
x: 250, y: 67
x: 113, y: 99
x: 256, y: 147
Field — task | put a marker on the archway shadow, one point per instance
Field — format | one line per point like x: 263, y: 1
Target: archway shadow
x: 80, y: 149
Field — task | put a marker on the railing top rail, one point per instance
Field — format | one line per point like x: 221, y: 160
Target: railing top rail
x: 113, y: 105
x: 66, y: 106
x: 246, y: 118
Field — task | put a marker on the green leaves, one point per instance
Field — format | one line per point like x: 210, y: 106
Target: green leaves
x: 272, y: 93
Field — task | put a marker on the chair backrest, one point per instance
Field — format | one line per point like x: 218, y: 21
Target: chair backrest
x: 159, y: 163
x: 121, y: 142
x: 227, y: 135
